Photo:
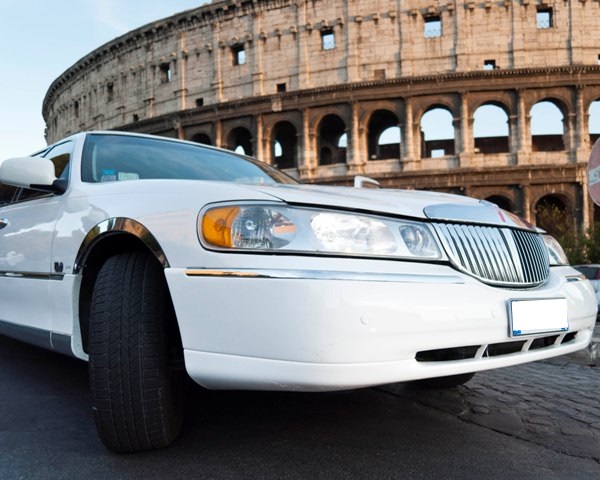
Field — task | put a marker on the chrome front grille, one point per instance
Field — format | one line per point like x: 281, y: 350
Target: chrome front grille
x: 499, y: 256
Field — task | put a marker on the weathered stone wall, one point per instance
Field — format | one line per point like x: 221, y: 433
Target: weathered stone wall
x: 256, y: 72
x: 282, y: 42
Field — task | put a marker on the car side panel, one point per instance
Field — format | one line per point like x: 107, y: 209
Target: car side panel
x: 25, y: 267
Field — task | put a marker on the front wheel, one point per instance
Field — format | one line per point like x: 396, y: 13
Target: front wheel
x: 136, y: 359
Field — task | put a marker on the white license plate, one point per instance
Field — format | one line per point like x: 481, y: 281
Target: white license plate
x: 538, y: 316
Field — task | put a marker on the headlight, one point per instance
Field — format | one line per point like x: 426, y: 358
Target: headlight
x: 274, y: 228
x: 555, y: 251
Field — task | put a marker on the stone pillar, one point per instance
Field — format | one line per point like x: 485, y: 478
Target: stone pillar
x: 218, y: 51
x: 305, y: 30
x: 570, y: 135
x: 408, y: 138
x: 218, y: 134
x: 513, y: 138
x: 351, y: 28
x: 356, y: 158
x: 527, y: 207
x: 259, y: 141
x: 523, y: 130
x: 463, y: 133
x: 179, y: 131
x: 582, y: 142
x: 256, y: 59
x: 183, y: 72
x: 308, y: 162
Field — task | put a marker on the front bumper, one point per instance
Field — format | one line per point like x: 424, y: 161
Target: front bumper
x: 311, y: 330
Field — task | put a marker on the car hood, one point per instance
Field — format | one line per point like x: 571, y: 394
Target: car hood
x: 405, y: 203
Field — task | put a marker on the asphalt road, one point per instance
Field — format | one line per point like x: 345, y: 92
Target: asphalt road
x: 47, y: 430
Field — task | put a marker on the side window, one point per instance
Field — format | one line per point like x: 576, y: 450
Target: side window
x: 60, y: 155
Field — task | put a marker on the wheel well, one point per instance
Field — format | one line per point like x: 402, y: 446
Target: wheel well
x: 108, y: 245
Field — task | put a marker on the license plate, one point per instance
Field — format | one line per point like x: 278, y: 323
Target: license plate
x: 529, y: 317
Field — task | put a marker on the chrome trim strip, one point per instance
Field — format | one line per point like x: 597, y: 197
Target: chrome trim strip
x: 33, y: 275
x: 323, y: 275
x: 119, y: 225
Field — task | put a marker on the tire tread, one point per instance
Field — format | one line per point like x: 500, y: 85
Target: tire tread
x: 134, y: 406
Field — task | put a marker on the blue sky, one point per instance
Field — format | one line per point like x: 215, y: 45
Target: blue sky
x: 40, y: 39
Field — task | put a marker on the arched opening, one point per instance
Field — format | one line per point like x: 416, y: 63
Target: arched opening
x: 240, y: 141
x: 202, y: 138
x: 384, y: 136
x: 547, y: 127
x: 503, y: 202
x: 594, y: 121
x: 437, y: 133
x: 490, y: 129
x: 325, y: 156
x: 332, y: 140
x: 285, y: 141
x: 553, y: 215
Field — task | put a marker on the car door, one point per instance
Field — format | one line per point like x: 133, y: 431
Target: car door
x: 27, y: 224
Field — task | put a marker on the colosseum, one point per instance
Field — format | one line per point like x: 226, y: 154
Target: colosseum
x: 403, y: 91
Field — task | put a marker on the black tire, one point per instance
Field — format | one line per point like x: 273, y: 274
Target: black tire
x: 136, y: 366
x: 445, y: 382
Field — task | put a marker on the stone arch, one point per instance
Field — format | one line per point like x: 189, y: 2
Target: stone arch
x: 384, y: 137
x: 548, y: 125
x: 284, y: 145
x: 502, y: 201
x: 202, y: 138
x: 491, y: 128
x: 437, y: 131
x: 240, y: 138
x: 330, y: 131
x: 554, y: 213
x: 594, y: 120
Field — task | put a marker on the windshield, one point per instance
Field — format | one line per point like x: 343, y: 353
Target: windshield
x: 112, y: 158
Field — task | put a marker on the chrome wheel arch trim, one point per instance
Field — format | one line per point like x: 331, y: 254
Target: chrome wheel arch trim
x: 118, y: 225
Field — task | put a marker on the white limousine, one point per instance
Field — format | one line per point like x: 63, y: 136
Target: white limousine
x: 156, y: 260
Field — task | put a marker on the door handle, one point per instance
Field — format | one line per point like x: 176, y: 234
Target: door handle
x: 3, y: 223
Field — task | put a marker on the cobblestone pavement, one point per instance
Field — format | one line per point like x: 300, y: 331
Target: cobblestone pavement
x: 553, y: 403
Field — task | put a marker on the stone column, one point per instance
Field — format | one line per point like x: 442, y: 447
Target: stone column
x: 523, y: 130
x: 182, y: 72
x: 408, y: 138
x: 218, y: 134
x: 308, y: 162
x: 582, y: 137
x: 356, y: 158
x: 179, y: 131
x: 570, y: 135
x: 259, y: 141
x: 256, y: 58
x: 305, y: 31
x: 218, y: 51
x: 464, y: 135
x: 351, y: 30
x: 527, y: 207
x: 513, y: 137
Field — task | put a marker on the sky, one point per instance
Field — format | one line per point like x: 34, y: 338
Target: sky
x: 40, y: 39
